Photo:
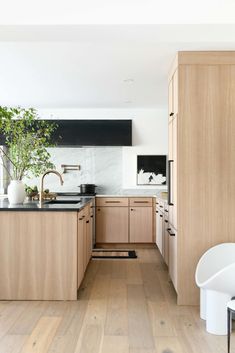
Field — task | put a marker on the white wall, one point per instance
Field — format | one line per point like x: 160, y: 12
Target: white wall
x: 149, y: 134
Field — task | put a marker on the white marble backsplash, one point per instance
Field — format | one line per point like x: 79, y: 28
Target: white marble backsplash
x: 101, y: 166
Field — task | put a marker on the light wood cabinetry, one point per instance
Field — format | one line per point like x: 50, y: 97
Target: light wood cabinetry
x: 112, y: 201
x: 38, y: 255
x: 166, y: 241
x: 112, y: 224
x: 172, y: 249
x: 81, y: 245
x: 43, y: 254
x: 85, y: 224
x: 124, y: 220
x: 159, y: 230
x: 202, y: 147
x: 141, y: 224
x: 172, y: 170
x: 141, y: 201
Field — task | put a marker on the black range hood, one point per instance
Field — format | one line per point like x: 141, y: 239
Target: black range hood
x: 71, y: 133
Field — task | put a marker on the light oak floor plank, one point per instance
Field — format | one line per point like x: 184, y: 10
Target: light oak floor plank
x: 140, y: 329
x: 42, y: 336
x: 115, y: 344
x: 124, y: 306
x: 12, y: 343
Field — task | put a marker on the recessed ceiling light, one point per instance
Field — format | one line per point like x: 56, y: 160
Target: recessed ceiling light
x: 128, y: 80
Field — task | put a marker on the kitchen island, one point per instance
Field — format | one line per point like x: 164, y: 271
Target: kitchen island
x: 44, y: 251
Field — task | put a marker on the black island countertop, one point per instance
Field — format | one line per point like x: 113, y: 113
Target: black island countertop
x: 47, y: 206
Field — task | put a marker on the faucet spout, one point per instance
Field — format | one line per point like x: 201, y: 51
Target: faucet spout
x: 42, y: 183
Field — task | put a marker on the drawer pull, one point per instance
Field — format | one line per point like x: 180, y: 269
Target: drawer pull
x: 80, y: 219
x: 92, y: 216
x: 156, y: 211
x: 166, y: 221
x: 166, y: 210
x: 132, y: 209
x: 87, y: 221
x: 161, y: 215
x: 161, y: 206
x: 141, y: 201
x: 112, y: 201
x: 171, y: 114
x: 171, y: 234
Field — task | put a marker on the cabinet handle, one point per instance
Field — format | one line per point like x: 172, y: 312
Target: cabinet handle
x: 98, y: 209
x: 171, y: 234
x: 83, y: 216
x: 161, y: 215
x: 141, y: 202
x: 157, y: 203
x: 80, y: 219
x: 166, y: 220
x: 161, y: 206
x: 132, y: 209
x: 92, y: 216
x: 156, y: 211
x: 171, y: 114
x: 112, y: 201
x: 87, y: 221
x: 166, y: 210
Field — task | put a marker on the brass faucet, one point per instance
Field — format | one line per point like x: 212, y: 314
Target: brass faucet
x: 42, y: 182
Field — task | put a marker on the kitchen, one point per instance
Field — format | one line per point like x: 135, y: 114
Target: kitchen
x: 50, y: 250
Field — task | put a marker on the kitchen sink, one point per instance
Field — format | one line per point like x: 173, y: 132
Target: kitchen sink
x: 62, y: 202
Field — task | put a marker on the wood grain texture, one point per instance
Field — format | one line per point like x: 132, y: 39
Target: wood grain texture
x: 42, y: 335
x: 112, y: 224
x: 112, y: 201
x: 81, y: 254
x: 206, y: 165
x: 205, y: 58
x: 38, y: 255
x: 143, y: 321
x: 140, y: 201
x: 141, y: 224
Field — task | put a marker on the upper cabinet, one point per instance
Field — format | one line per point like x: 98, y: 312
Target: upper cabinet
x: 173, y: 95
x: 91, y: 133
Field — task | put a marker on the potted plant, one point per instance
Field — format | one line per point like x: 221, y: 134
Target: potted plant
x: 26, y: 138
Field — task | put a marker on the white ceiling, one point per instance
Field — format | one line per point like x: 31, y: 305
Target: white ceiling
x: 116, y: 11
x: 86, y: 66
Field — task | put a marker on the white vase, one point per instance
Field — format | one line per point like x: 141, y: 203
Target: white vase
x: 16, y: 192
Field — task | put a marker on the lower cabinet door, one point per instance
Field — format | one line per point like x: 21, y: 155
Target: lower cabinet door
x: 80, y: 245
x: 166, y: 242
x: 159, y: 228
x: 112, y: 224
x: 141, y: 225
x: 173, y: 255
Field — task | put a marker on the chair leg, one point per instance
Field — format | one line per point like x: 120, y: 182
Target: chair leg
x: 229, y: 328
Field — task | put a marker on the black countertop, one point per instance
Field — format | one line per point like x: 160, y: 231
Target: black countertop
x: 34, y: 205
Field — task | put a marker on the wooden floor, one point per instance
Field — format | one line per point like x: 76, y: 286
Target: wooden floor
x: 124, y: 306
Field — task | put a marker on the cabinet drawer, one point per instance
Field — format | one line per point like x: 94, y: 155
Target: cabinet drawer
x: 112, y: 201
x: 141, y: 201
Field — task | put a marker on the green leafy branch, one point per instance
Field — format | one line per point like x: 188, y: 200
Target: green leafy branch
x: 27, y: 139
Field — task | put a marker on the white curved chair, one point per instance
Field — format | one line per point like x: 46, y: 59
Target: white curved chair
x: 215, y: 276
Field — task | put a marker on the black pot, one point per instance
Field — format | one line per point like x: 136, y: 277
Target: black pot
x: 87, y: 188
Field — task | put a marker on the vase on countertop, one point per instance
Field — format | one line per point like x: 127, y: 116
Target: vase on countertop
x: 16, y: 192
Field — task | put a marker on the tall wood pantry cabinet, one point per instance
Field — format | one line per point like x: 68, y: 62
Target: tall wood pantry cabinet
x: 201, y: 162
